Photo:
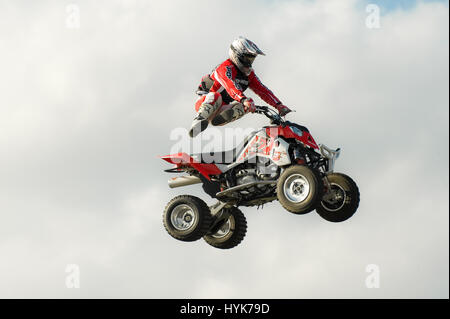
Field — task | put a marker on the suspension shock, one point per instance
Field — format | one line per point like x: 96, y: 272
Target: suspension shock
x: 298, y: 156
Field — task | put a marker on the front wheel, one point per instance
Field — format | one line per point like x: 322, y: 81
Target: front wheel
x: 299, y: 189
x: 341, y: 200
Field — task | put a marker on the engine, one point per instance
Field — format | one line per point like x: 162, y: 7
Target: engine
x: 263, y: 170
x: 244, y: 176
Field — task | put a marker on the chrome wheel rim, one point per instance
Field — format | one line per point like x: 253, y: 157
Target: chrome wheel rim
x: 335, y: 198
x: 296, y: 188
x: 183, y: 217
x: 224, y: 230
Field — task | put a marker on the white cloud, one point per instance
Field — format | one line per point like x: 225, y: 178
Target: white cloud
x: 85, y: 112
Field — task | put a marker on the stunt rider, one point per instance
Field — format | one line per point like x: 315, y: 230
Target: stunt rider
x: 222, y: 98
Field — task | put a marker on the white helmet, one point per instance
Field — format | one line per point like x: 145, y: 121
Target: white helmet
x: 243, y: 52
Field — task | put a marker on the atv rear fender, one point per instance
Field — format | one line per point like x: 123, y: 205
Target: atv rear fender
x: 182, y: 160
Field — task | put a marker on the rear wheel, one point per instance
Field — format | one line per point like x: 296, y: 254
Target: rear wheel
x: 341, y: 201
x: 230, y: 232
x: 299, y: 189
x: 187, y: 218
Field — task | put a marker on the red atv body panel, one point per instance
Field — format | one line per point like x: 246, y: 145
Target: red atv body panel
x: 183, y: 160
x: 306, y: 138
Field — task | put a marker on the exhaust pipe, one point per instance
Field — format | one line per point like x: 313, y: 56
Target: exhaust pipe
x: 183, y: 181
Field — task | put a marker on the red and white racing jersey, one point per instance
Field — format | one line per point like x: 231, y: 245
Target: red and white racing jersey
x: 231, y: 83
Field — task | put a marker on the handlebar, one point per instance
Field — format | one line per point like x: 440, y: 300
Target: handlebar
x: 261, y: 109
x: 271, y: 114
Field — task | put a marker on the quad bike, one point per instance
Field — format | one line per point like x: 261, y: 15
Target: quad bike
x: 278, y: 162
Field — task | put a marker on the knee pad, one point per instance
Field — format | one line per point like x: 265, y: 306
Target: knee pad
x: 213, y: 98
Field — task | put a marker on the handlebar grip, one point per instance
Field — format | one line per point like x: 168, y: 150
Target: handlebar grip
x: 261, y: 108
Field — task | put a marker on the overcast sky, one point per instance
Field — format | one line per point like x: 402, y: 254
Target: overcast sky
x: 85, y: 111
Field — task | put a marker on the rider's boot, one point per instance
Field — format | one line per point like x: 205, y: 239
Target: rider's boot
x: 229, y: 115
x: 200, y: 122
